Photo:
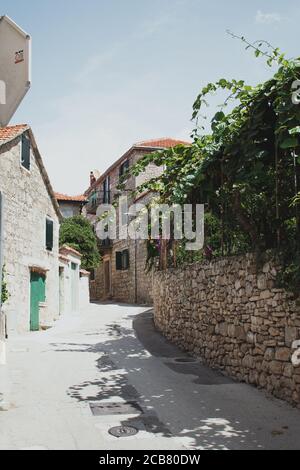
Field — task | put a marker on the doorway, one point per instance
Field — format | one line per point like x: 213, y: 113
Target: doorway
x: 37, y: 295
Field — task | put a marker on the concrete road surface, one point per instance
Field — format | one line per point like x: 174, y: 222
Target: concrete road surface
x: 109, y: 367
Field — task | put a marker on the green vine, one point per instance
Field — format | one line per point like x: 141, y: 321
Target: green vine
x: 246, y: 170
x: 4, y: 294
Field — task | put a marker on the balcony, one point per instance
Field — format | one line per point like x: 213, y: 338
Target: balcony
x: 97, y: 198
x: 105, y: 245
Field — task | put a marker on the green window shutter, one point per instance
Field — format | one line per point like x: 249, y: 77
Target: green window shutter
x: 25, y: 152
x: 49, y: 234
x: 119, y: 264
x: 108, y: 190
x: 125, y: 259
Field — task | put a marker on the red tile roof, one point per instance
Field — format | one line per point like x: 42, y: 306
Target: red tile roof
x: 160, y: 144
x: 83, y: 272
x: 65, y: 198
x: 165, y: 142
x: 11, y: 132
x: 66, y: 249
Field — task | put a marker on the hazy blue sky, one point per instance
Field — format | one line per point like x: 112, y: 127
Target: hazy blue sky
x: 108, y: 73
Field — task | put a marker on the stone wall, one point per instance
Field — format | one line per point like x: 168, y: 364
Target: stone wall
x: 133, y: 285
x: 26, y: 205
x: 231, y: 315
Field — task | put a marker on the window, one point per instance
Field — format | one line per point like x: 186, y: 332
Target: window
x: 122, y: 260
x: 49, y: 234
x: 106, y: 191
x: 25, y: 152
x: 92, y: 275
x: 124, y: 168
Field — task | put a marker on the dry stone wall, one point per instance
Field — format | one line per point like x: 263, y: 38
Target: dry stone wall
x: 230, y: 314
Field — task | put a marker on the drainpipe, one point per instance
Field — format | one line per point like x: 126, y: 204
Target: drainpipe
x: 4, y: 380
x: 2, y: 317
x: 135, y: 272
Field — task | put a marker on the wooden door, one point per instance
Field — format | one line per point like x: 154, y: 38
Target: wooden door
x: 37, y: 295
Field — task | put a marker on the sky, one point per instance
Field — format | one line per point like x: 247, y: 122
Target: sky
x: 109, y: 73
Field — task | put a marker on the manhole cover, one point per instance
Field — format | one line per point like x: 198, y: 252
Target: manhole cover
x: 185, y: 360
x: 123, y: 431
x: 112, y: 408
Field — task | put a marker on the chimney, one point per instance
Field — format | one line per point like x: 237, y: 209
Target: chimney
x: 92, y: 178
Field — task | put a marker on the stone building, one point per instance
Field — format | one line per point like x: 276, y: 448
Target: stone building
x: 30, y: 230
x: 121, y: 275
x: 70, y: 205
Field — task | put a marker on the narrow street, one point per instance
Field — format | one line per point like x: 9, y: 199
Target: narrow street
x: 111, y: 354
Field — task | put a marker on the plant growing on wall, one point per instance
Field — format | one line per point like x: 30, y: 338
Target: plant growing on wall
x: 4, y: 293
x: 246, y: 170
x: 77, y: 232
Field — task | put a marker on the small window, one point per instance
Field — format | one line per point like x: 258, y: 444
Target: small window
x: 124, y: 168
x: 122, y: 260
x: 119, y: 261
x: 49, y: 234
x: 92, y: 275
x: 25, y: 152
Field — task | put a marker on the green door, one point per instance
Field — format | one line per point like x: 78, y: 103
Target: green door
x: 37, y: 295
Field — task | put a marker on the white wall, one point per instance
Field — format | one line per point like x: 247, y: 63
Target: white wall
x: 84, y: 292
x: 67, y: 284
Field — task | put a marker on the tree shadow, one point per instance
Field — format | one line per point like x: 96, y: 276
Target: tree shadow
x: 197, y: 405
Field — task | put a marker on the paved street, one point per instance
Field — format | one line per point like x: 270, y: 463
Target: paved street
x: 111, y: 354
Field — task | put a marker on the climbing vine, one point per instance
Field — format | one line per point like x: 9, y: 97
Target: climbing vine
x: 4, y: 293
x: 246, y: 170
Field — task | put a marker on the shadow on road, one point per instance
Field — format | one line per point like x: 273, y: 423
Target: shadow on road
x: 199, y: 406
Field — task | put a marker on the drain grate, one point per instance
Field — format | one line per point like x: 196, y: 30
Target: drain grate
x: 123, y: 431
x: 115, y: 408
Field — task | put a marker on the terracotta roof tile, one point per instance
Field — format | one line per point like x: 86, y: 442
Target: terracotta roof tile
x: 83, y: 272
x: 165, y: 142
x: 65, y: 197
x: 162, y: 143
x: 11, y: 132
x: 66, y: 249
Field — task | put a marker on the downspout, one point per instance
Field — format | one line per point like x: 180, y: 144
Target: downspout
x: 135, y: 273
x: 2, y: 316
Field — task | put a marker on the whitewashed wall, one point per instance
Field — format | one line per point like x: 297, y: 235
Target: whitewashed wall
x: 84, y: 292
x: 66, y: 300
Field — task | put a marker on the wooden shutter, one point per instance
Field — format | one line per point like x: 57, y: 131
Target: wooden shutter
x: 119, y: 263
x: 108, y: 190
x: 49, y: 234
x: 25, y: 152
x: 125, y: 259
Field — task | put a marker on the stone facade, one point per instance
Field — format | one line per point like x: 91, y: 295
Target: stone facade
x: 132, y: 285
x: 70, y: 206
x: 28, y: 201
x: 230, y: 314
